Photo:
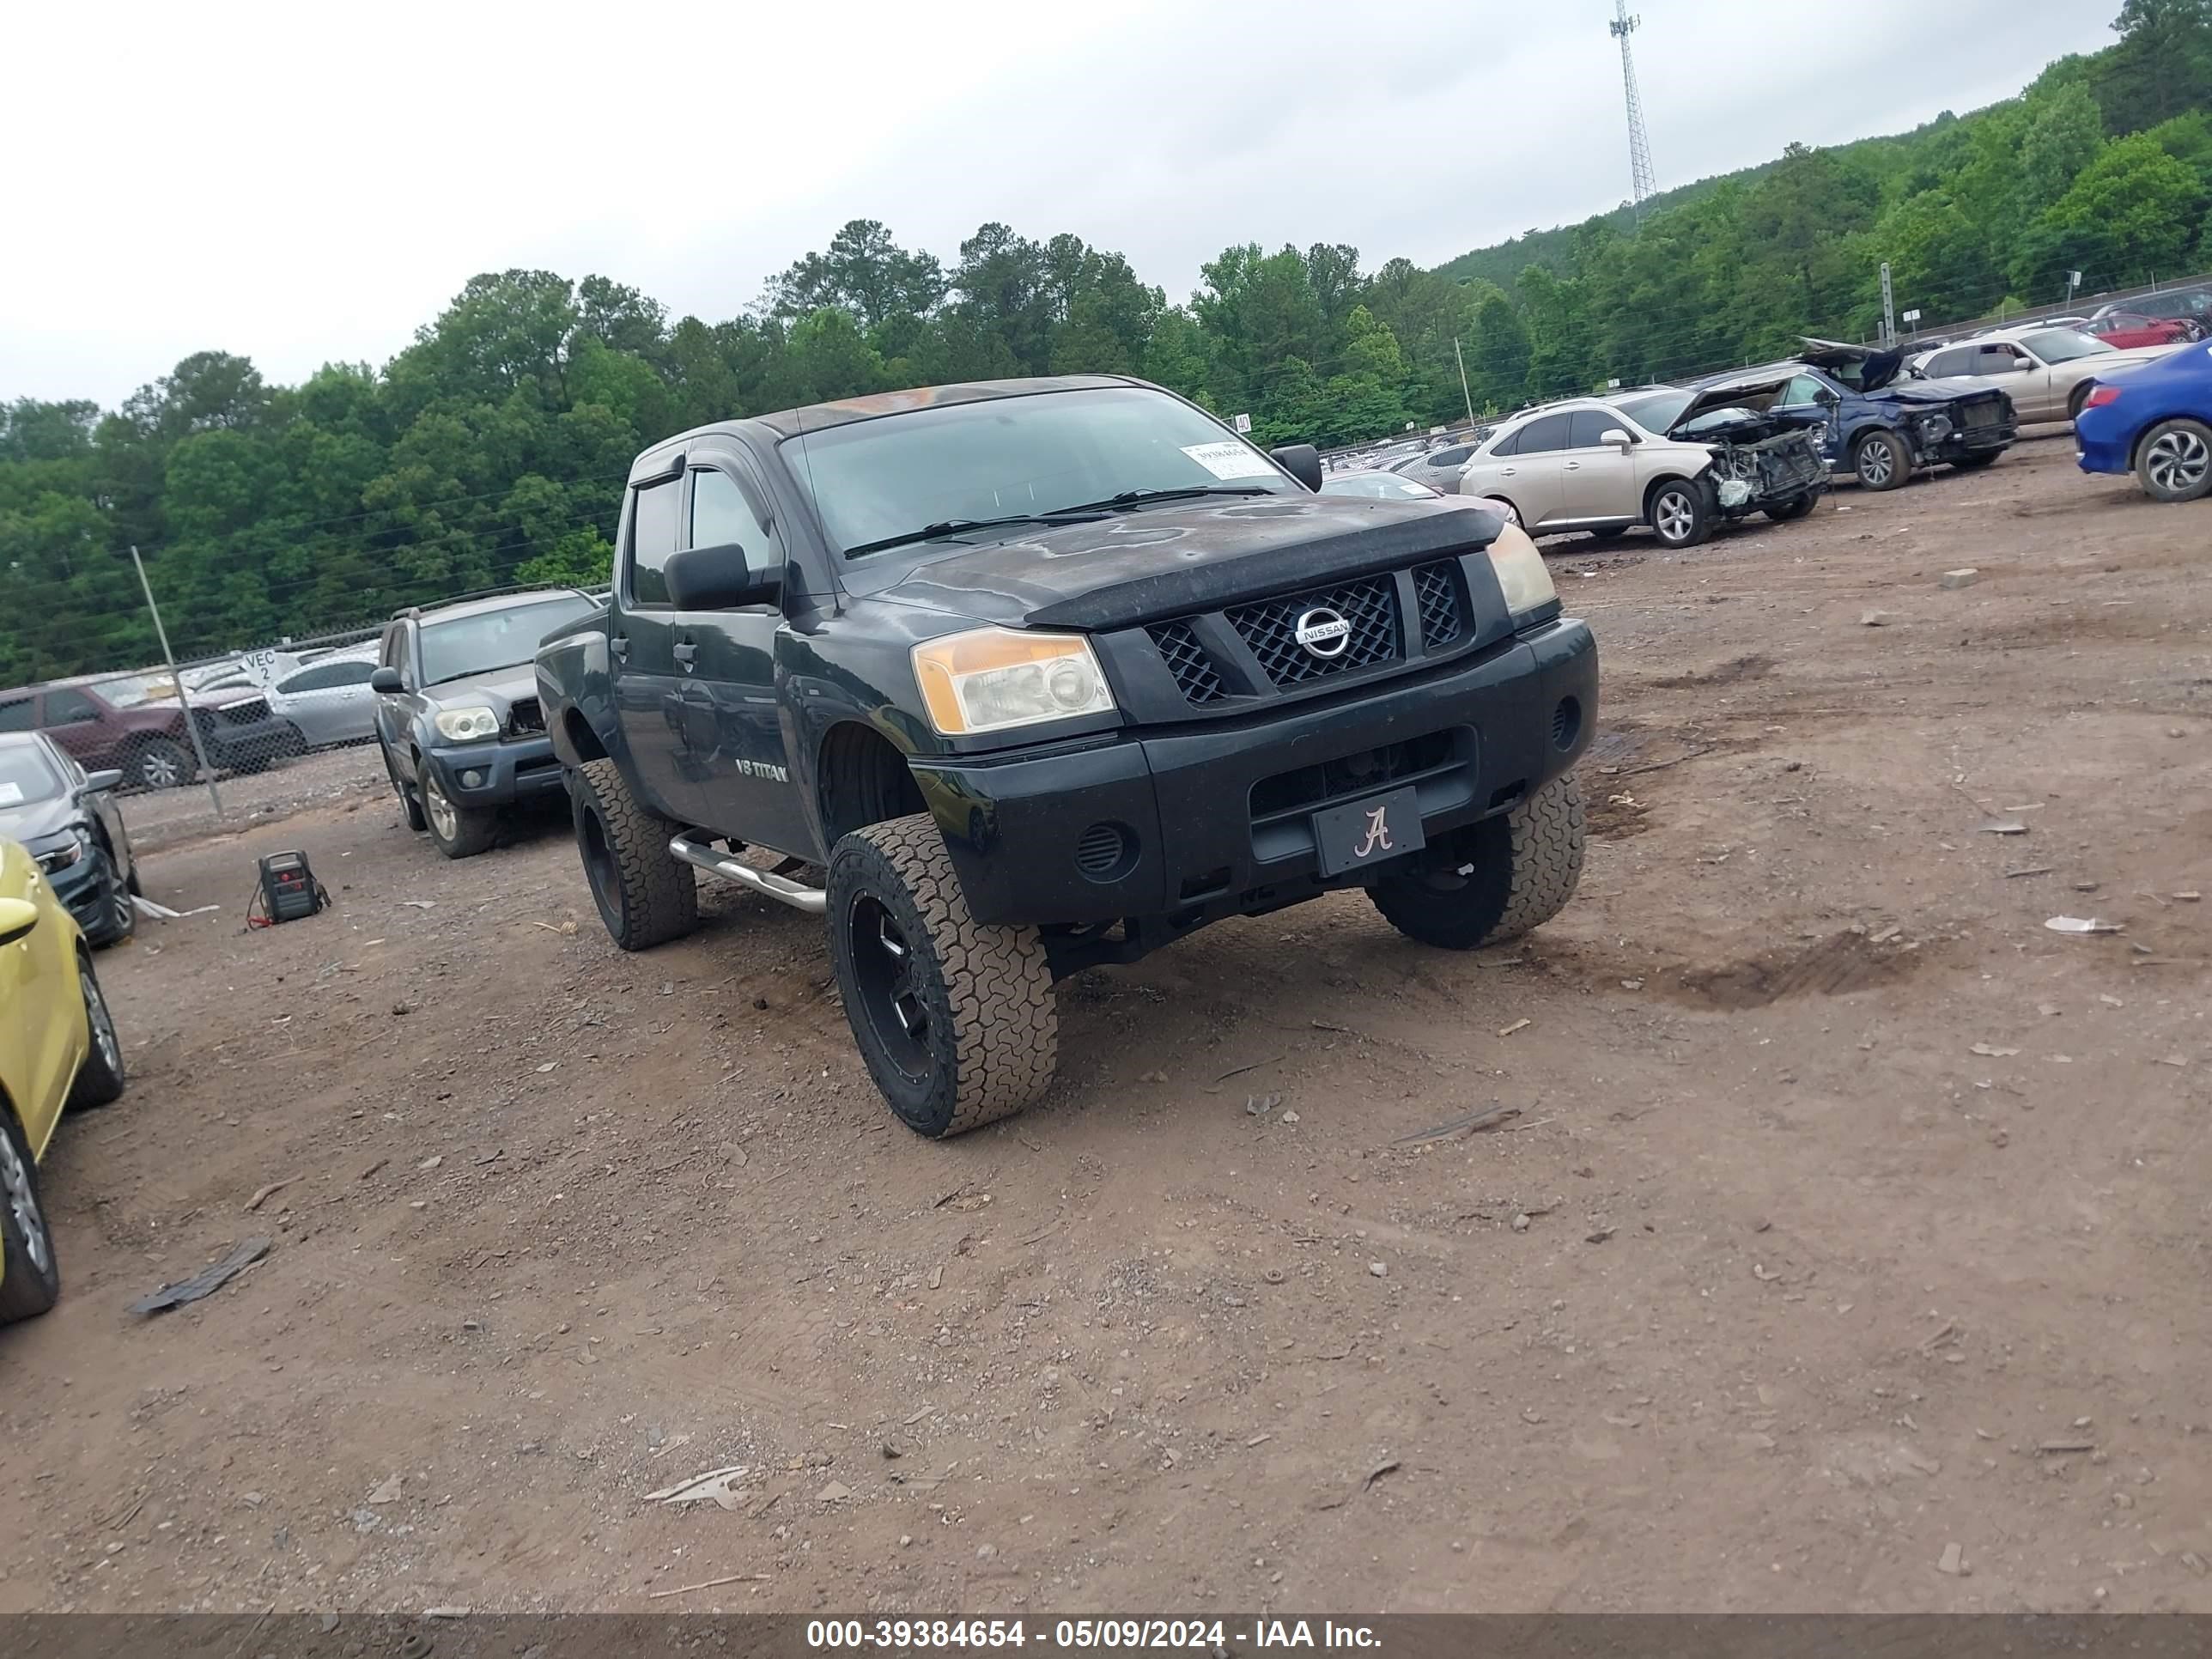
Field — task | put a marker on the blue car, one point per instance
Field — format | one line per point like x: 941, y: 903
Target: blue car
x: 2155, y: 421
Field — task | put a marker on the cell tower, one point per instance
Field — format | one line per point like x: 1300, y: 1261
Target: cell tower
x: 1639, y: 141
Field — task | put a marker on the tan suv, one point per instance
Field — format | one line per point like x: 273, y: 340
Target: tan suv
x: 1586, y: 465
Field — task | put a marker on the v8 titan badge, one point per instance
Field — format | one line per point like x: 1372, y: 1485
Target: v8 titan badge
x: 1369, y: 831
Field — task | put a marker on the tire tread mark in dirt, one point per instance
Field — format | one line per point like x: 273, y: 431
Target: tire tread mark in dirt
x: 1837, y: 966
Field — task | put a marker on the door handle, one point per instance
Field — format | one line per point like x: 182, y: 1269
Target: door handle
x: 1508, y: 471
x: 1574, y: 466
x: 619, y: 644
x: 686, y: 653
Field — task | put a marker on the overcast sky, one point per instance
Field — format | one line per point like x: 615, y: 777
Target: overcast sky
x: 305, y: 184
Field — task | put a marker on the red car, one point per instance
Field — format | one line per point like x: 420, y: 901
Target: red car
x: 2123, y: 329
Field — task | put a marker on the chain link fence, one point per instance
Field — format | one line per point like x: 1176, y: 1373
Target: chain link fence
x: 265, y: 729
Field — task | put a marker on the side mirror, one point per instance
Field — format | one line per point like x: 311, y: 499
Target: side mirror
x: 718, y: 579
x: 17, y: 918
x: 1301, y: 461
x: 96, y: 782
x: 1617, y: 439
x: 385, y: 679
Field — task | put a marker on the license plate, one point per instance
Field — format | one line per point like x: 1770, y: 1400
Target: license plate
x: 1367, y: 831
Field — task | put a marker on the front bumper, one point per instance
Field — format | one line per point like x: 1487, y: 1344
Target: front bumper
x: 1212, y: 820
x: 85, y: 889
x: 506, y: 770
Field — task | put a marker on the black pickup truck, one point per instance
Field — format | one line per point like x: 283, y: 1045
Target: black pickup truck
x: 1012, y: 679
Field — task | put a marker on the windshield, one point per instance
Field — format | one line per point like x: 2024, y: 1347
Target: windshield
x: 505, y: 638
x: 1377, y: 487
x: 26, y: 775
x: 2063, y: 345
x: 1655, y: 411
x: 1045, y: 452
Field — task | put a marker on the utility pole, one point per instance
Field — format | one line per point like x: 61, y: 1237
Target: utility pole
x: 191, y: 726
x: 1460, y: 357
x: 1888, y: 309
x: 1642, y: 180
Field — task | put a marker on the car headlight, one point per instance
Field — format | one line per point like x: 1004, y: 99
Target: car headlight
x: 997, y: 677
x: 466, y: 724
x: 69, y: 853
x: 1521, y: 571
x: 1934, y: 428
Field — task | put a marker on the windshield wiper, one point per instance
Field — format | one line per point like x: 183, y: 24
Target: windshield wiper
x: 1140, y: 497
x: 930, y: 532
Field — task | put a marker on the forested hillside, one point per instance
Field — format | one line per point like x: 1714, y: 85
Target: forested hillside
x: 493, y: 447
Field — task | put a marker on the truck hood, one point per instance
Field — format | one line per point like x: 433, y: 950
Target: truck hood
x: 1170, y: 560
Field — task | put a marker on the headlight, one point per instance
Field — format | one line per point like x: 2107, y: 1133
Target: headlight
x: 465, y: 725
x: 1521, y: 571
x: 60, y: 858
x: 996, y: 678
x: 1935, y: 429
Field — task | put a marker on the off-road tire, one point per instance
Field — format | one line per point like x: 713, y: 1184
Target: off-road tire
x: 1873, y: 470
x: 1680, y: 513
x: 1793, y: 509
x: 161, y: 763
x: 99, y: 1081
x: 991, y: 1026
x: 25, y: 1289
x: 2173, y: 461
x: 473, y: 829
x: 1519, y: 869
x: 409, y: 806
x: 646, y: 895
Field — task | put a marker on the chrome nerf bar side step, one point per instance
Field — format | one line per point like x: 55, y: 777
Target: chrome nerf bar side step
x: 797, y: 894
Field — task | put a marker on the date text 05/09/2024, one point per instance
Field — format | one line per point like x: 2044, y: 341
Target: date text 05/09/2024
x: 1204, y: 1635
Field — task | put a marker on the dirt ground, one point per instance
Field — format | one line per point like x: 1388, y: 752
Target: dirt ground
x: 1849, y: 1214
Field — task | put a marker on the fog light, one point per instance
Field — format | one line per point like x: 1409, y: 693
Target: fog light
x: 472, y: 780
x: 1107, y: 852
x: 1566, y: 723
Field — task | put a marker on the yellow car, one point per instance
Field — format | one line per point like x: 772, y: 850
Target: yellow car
x: 57, y: 1048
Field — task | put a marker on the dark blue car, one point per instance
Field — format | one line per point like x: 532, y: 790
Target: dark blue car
x: 1875, y: 423
x: 2155, y: 421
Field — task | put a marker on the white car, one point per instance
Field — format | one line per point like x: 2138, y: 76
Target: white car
x: 2047, y: 372
x: 329, y: 699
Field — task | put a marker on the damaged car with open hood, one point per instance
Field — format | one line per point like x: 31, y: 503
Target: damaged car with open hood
x: 1876, y: 422
x: 1671, y: 458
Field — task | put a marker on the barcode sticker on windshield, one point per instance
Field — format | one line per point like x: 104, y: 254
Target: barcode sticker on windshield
x: 1230, y: 460
x: 11, y: 794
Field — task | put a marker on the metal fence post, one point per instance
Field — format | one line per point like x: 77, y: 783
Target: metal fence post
x: 191, y: 726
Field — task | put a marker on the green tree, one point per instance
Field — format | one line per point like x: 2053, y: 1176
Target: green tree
x: 2063, y: 136
x: 2129, y: 217
x: 2162, y: 66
